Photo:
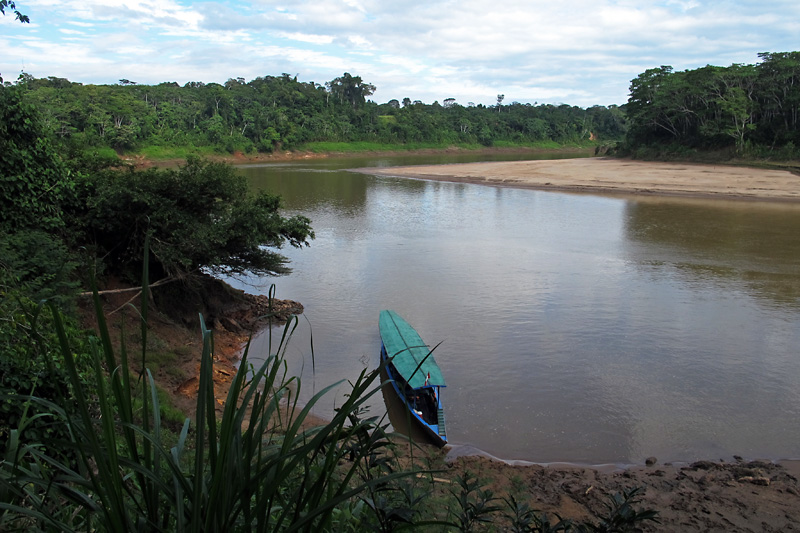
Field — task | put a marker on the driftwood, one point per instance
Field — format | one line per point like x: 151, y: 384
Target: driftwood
x: 130, y: 289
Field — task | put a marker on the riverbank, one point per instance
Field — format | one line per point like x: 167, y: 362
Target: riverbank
x: 601, y: 175
x: 240, y: 158
x: 174, y: 336
x: 744, y: 496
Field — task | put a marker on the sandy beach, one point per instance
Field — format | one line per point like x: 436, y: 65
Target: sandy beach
x: 615, y: 176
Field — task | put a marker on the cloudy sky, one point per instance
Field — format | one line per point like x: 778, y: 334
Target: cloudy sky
x: 579, y: 52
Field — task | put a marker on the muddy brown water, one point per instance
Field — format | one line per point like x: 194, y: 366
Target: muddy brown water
x: 573, y: 328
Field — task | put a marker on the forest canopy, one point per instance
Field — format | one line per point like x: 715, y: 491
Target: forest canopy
x: 752, y: 109
x: 279, y: 112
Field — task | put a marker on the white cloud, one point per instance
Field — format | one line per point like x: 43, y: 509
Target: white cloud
x: 307, y: 38
x: 582, y: 52
x: 359, y: 41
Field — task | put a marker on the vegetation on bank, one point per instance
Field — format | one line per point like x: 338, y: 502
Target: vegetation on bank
x: 272, y: 113
x: 54, y: 209
x: 742, y: 111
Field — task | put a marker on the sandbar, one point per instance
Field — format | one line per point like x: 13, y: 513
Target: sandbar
x: 601, y: 175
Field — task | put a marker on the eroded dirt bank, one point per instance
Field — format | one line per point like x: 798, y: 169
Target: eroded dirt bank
x: 174, y: 336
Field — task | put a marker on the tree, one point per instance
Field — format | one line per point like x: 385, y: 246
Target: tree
x: 35, y: 183
x: 35, y: 188
x: 646, y: 104
x: 739, y: 110
x: 350, y: 89
x: 199, y: 217
x: 500, y: 98
x: 718, y: 107
x: 778, y: 88
x: 10, y: 4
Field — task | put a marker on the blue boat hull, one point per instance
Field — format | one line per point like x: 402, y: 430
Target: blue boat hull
x: 432, y: 430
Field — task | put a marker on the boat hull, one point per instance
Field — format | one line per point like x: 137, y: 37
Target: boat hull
x: 431, y: 430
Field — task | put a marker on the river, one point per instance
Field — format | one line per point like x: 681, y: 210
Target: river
x: 575, y: 328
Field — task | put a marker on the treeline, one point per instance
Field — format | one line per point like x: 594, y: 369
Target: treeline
x: 280, y: 112
x: 752, y: 110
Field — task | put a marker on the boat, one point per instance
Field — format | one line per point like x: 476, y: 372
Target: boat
x: 414, y: 374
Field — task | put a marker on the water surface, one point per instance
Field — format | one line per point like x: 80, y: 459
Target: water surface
x: 573, y: 328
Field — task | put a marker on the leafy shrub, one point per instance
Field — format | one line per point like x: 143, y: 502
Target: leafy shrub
x: 38, y: 264
x: 621, y: 516
x: 35, y: 182
x: 30, y: 368
x: 199, y: 216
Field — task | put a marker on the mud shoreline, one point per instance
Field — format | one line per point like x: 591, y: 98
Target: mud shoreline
x: 702, y: 496
x: 239, y: 158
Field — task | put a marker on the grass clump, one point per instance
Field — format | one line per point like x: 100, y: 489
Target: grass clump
x: 254, y: 467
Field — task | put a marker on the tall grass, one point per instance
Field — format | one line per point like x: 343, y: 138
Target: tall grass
x: 257, y: 466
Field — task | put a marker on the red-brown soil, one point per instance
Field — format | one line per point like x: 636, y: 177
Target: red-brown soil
x: 174, y: 336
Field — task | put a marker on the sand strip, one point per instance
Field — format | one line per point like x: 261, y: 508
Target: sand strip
x: 615, y: 176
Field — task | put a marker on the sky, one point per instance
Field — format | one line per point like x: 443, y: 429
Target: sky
x: 578, y: 52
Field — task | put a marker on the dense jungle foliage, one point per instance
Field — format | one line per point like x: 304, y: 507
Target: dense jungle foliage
x: 280, y: 112
x: 200, y: 216
x: 64, y: 220
x: 752, y: 110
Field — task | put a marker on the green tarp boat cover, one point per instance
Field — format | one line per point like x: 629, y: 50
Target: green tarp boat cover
x: 404, y: 344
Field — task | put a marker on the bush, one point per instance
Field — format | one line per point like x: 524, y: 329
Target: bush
x: 199, y: 216
x: 38, y: 264
x: 35, y: 182
x: 30, y: 372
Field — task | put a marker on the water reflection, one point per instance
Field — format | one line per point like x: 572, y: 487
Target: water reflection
x: 573, y: 328
x: 309, y: 187
x: 755, y: 244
